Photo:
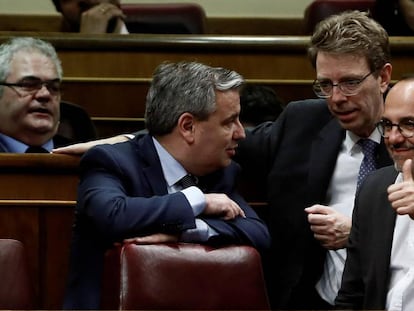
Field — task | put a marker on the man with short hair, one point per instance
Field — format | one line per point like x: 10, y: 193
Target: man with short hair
x: 379, y: 271
x: 133, y: 192
x: 30, y: 78
x: 312, y: 158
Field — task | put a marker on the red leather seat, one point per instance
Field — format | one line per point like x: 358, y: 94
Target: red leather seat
x: 166, y: 18
x: 183, y: 276
x: 16, y: 289
x: 320, y: 9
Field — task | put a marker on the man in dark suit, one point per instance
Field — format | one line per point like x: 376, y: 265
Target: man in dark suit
x: 309, y: 159
x: 132, y: 192
x: 378, y: 271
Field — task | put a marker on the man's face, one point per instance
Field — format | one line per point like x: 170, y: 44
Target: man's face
x: 216, y: 138
x: 31, y: 117
x: 360, y: 112
x: 399, y: 109
x: 72, y: 9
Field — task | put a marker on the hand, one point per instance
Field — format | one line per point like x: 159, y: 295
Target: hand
x: 81, y: 148
x: 96, y: 19
x: 401, y: 195
x: 153, y: 239
x: 330, y: 227
x: 218, y: 204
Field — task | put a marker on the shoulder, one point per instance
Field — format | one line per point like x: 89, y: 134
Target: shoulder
x: 314, y: 106
x: 385, y: 175
x: 120, y: 154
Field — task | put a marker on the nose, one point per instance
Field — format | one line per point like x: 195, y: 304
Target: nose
x: 43, y: 91
x: 395, y: 136
x: 337, y: 94
x: 239, y: 132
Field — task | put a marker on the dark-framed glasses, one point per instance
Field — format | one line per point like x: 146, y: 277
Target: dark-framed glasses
x: 32, y: 85
x: 405, y: 127
x: 349, y: 87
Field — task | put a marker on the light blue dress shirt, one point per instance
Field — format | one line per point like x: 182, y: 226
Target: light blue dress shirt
x: 173, y: 171
x: 12, y: 145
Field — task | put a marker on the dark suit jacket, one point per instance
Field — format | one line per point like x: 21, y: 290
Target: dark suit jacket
x: 295, y: 157
x: 366, y: 274
x: 122, y: 194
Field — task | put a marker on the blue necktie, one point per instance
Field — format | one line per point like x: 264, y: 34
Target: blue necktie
x: 368, y: 162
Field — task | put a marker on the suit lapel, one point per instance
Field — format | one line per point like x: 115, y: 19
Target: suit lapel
x: 385, y: 218
x: 383, y: 157
x: 152, y: 171
x: 326, y: 146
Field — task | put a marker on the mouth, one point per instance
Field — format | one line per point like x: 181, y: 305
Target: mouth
x: 231, y: 151
x: 346, y: 116
x: 40, y: 111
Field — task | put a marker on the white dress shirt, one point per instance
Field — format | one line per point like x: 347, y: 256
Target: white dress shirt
x: 401, y: 287
x: 341, y: 196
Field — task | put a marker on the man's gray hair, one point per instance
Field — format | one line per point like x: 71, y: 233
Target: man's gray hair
x: 182, y: 87
x: 26, y: 44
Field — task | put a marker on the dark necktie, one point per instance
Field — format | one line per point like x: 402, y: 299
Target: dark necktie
x: 36, y: 149
x: 368, y: 162
x: 188, y: 181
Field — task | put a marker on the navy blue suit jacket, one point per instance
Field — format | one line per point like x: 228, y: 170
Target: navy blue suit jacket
x: 367, y: 268
x: 122, y: 194
x: 295, y: 157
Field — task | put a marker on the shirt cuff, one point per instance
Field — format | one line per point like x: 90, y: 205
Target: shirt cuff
x: 196, y: 199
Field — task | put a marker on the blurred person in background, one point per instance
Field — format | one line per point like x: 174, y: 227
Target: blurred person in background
x: 91, y: 16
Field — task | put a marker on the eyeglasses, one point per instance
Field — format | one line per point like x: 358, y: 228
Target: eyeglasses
x: 350, y: 87
x: 33, y: 85
x: 405, y: 127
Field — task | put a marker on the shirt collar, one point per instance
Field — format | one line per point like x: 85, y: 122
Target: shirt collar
x: 351, y: 140
x: 14, y: 146
x: 173, y: 171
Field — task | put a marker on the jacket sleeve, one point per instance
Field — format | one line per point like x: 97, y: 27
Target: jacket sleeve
x: 114, y: 195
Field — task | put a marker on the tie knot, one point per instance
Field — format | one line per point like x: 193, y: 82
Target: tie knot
x: 36, y: 149
x: 368, y: 146
x: 188, y: 181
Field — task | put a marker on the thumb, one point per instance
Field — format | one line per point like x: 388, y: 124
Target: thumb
x: 406, y: 170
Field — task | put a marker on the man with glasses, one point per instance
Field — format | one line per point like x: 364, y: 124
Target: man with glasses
x: 30, y: 77
x: 379, y: 271
x: 309, y: 159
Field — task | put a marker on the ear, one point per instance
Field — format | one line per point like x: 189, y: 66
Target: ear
x: 385, y: 75
x: 185, y: 126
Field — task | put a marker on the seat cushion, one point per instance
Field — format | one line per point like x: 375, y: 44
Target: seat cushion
x: 184, y: 276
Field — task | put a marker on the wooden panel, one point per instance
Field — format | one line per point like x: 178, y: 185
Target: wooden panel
x: 118, y: 105
x: 37, y: 199
x: 215, y: 25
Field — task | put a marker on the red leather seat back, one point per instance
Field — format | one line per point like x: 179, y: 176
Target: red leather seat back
x: 16, y: 289
x: 167, y: 18
x: 320, y: 9
x: 183, y: 276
